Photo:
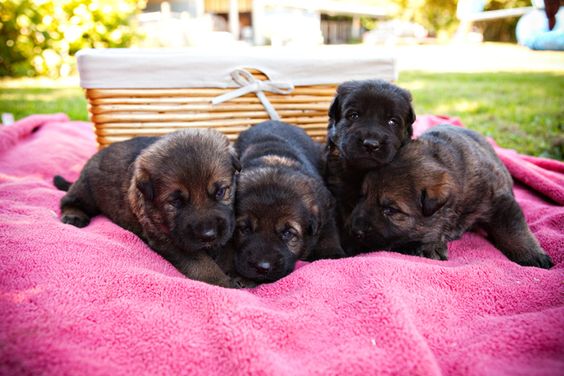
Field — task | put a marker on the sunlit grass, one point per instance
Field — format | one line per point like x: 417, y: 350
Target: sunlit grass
x: 23, y: 97
x: 522, y: 111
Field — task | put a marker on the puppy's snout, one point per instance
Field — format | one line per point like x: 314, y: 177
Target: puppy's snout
x: 262, y: 267
x: 208, y: 234
x: 359, y: 234
x: 209, y: 231
x: 360, y: 227
x: 371, y: 144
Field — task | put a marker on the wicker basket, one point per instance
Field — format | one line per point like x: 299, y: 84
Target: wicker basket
x: 121, y: 113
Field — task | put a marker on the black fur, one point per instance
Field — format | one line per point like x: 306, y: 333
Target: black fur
x: 355, y: 145
x: 284, y: 212
x: 61, y: 183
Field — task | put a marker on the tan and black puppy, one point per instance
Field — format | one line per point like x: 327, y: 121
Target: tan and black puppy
x: 284, y: 211
x: 368, y: 122
x: 175, y: 192
x: 438, y: 187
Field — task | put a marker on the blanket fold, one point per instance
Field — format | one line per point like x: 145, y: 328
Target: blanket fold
x: 98, y: 301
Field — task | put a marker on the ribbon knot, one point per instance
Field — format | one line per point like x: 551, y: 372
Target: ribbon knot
x: 249, y: 84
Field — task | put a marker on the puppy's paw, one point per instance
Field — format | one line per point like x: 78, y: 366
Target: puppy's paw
x: 538, y: 259
x: 75, y: 219
x: 434, y: 251
x: 240, y: 282
x: 243, y: 283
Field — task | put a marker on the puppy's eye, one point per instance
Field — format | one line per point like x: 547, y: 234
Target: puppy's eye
x: 288, y: 234
x: 176, y: 201
x: 244, y: 229
x: 353, y: 115
x: 393, y: 122
x: 389, y: 211
x: 221, y: 193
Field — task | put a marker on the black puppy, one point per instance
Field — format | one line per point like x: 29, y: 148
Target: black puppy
x: 284, y: 211
x: 368, y: 123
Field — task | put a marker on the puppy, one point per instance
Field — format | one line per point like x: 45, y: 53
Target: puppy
x: 175, y: 192
x: 284, y: 212
x: 438, y: 187
x: 368, y: 122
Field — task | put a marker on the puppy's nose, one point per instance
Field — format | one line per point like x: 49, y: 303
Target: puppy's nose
x: 359, y: 234
x: 208, y: 234
x: 371, y: 144
x: 262, y: 267
x: 360, y: 228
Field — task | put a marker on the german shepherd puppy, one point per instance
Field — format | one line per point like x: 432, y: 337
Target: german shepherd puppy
x: 284, y: 211
x: 368, y: 122
x: 175, y: 192
x: 437, y: 188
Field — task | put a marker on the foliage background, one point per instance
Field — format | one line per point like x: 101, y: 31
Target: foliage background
x: 39, y: 37
x: 439, y: 17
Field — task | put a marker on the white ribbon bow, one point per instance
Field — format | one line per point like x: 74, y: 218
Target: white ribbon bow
x: 249, y: 84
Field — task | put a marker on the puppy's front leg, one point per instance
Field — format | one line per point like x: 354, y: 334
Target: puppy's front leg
x: 199, y: 266
x: 225, y: 259
x: 328, y: 246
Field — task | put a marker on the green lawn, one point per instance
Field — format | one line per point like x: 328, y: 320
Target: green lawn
x: 23, y: 97
x: 523, y: 111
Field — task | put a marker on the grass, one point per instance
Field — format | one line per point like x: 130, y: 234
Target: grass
x: 23, y: 97
x: 522, y: 111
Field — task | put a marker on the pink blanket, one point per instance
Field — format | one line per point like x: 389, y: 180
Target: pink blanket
x: 98, y: 301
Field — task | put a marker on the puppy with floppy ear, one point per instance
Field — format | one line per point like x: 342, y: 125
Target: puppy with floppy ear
x: 175, y: 192
x: 284, y: 212
x: 369, y: 121
x: 438, y: 187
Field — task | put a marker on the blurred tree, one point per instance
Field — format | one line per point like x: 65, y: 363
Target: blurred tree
x: 437, y: 16
x: 40, y: 37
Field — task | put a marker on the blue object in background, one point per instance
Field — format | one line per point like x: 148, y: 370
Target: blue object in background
x: 532, y: 31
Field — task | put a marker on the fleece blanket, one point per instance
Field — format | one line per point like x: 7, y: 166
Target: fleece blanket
x: 98, y: 301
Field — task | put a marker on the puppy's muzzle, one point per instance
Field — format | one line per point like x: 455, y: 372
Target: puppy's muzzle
x: 209, y: 230
x: 360, y: 228
x: 255, y: 264
x: 371, y: 145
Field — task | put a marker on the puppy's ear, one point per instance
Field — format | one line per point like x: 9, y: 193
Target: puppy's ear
x: 436, y: 195
x: 145, y: 185
x: 314, y: 201
x: 410, y: 117
x: 234, y: 159
x: 313, y: 225
x: 409, y: 128
x: 335, y: 110
x: 334, y: 117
